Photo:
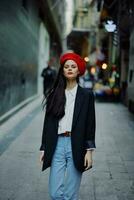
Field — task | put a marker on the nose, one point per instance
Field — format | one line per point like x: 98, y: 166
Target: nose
x: 70, y: 69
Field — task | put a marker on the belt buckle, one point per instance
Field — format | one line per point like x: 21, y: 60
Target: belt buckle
x: 67, y: 133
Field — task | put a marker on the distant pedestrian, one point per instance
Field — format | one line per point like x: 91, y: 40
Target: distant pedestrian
x: 48, y: 75
x: 68, y: 137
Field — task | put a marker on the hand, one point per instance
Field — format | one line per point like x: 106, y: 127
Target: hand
x: 41, y: 156
x: 88, y: 160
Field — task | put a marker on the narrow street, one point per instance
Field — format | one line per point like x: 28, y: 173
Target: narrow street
x: 112, y: 175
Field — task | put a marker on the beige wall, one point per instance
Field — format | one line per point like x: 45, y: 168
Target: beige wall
x: 86, y: 14
x: 87, y: 18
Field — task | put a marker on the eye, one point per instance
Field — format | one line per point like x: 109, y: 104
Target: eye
x: 73, y: 66
x: 65, y: 66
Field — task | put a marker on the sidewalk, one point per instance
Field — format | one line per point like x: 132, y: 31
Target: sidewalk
x: 18, y: 121
x: 112, y: 175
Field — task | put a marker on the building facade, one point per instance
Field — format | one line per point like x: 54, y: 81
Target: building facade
x: 82, y: 39
x: 18, y: 52
x: 121, y: 13
x: 130, y: 89
x: 30, y: 35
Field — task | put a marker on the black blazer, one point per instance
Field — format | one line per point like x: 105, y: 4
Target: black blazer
x: 83, y: 130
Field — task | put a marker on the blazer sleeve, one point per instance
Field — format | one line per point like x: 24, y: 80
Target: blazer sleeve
x: 91, y: 123
x: 42, y: 147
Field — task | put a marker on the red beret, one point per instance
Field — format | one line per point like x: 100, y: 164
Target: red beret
x: 75, y: 57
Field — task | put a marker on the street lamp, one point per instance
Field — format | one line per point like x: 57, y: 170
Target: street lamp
x: 110, y: 27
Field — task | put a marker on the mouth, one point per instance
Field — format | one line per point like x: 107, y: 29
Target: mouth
x: 69, y: 73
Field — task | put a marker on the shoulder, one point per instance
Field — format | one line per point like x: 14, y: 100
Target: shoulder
x: 87, y: 92
x: 44, y: 70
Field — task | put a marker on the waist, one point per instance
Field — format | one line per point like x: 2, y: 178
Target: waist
x: 65, y: 134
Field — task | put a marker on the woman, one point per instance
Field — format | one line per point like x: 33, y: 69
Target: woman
x: 68, y: 137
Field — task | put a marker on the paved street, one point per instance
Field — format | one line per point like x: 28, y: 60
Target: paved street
x: 111, y: 178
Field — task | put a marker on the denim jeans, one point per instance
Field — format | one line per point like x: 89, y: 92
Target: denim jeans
x: 64, y: 178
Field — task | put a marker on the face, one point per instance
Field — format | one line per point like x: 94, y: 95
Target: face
x: 70, y: 70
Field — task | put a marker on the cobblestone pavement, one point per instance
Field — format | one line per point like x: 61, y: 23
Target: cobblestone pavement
x: 112, y: 175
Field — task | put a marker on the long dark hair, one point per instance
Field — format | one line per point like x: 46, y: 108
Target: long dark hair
x: 55, y: 99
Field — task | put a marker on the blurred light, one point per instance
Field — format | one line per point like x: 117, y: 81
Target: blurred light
x: 83, y: 10
x: 116, y: 91
x: 104, y: 66
x: 117, y: 75
x: 86, y: 59
x: 93, y: 70
x: 110, y: 26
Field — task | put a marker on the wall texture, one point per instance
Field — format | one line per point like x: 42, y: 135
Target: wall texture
x: 19, y: 32
x: 131, y: 73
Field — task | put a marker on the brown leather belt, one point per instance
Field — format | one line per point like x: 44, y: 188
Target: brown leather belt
x: 65, y: 134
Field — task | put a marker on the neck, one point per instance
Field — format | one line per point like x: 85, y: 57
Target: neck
x: 71, y: 84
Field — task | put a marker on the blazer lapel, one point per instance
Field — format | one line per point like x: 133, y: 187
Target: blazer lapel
x: 78, y: 105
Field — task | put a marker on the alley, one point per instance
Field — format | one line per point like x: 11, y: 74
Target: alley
x: 112, y: 175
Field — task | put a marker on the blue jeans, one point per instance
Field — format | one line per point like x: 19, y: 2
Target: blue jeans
x: 64, y: 178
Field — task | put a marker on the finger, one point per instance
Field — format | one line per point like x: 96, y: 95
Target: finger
x: 85, y: 162
x: 89, y: 163
x: 41, y: 158
x: 87, y: 167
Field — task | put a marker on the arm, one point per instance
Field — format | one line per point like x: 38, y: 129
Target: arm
x: 42, y: 73
x: 41, y: 156
x: 88, y: 160
x: 42, y: 147
x: 90, y: 134
x: 91, y: 124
